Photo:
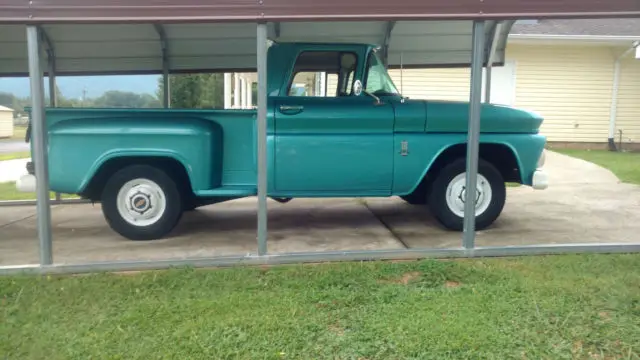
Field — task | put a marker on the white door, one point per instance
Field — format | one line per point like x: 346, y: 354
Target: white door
x: 503, y: 84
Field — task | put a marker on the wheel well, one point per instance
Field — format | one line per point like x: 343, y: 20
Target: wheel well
x: 172, y: 167
x: 499, y: 155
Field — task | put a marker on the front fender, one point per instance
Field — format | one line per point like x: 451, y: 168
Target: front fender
x: 425, y: 149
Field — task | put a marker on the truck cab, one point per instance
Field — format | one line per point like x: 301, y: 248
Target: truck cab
x: 337, y: 126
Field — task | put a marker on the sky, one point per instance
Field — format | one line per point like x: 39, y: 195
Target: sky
x: 73, y: 86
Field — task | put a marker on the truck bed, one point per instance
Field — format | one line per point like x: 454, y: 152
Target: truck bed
x: 195, y: 138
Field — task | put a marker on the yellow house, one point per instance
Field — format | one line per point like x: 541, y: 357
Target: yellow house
x: 6, y: 122
x: 562, y: 69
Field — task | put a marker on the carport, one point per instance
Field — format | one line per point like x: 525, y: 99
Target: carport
x: 192, y: 36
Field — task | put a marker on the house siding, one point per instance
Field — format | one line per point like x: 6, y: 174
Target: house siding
x: 438, y: 84
x: 6, y: 124
x: 570, y: 85
x: 628, y: 115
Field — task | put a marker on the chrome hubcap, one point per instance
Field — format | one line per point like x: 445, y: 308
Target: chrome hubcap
x: 141, y: 202
x: 457, y: 192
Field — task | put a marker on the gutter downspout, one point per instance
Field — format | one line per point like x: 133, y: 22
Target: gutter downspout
x: 490, y: 60
x: 613, y: 112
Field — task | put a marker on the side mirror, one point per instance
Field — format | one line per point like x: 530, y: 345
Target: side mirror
x: 357, y: 88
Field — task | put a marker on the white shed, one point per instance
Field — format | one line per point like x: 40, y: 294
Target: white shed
x: 6, y: 122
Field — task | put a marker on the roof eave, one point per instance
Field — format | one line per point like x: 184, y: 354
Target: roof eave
x: 583, y: 39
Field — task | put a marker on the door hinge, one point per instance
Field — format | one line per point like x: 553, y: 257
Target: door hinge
x: 404, y: 148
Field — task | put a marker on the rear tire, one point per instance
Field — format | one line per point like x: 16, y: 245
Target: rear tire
x: 141, y: 202
x: 447, y: 195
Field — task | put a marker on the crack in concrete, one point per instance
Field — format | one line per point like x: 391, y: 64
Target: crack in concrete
x: 17, y: 221
x: 387, y: 226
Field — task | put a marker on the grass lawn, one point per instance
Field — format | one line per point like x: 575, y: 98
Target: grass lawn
x: 8, y: 192
x: 625, y: 165
x: 15, y: 155
x: 546, y: 307
x: 19, y: 132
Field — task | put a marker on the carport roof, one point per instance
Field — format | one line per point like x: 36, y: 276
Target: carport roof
x: 48, y: 11
x: 128, y: 36
x: 137, y: 48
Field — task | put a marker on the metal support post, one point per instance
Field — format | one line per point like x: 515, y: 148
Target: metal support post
x: 51, y: 62
x: 487, y: 84
x: 53, y: 97
x: 39, y: 146
x: 473, y: 136
x: 236, y: 91
x: 243, y: 91
x: 164, y: 48
x: 227, y: 90
x: 166, y: 90
x: 262, y: 138
x: 386, y: 41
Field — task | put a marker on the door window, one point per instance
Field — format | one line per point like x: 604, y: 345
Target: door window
x: 323, y: 74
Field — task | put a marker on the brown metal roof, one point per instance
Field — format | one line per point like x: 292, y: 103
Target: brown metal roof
x: 52, y: 11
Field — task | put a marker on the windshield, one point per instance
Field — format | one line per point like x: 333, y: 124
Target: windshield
x: 378, y: 81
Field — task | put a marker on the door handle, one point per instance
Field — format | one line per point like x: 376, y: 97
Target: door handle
x: 291, y: 109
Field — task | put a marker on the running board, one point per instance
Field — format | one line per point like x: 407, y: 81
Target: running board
x: 228, y: 191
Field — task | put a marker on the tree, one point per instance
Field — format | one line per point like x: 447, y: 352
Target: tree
x: 123, y: 99
x: 110, y: 99
x: 16, y: 103
x: 195, y: 91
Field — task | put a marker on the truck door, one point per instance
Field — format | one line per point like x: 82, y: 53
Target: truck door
x: 328, y: 140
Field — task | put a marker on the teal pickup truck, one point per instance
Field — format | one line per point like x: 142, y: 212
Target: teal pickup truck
x: 337, y: 127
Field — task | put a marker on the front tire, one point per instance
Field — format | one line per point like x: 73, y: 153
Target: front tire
x: 416, y: 198
x: 448, y: 192
x: 142, y: 202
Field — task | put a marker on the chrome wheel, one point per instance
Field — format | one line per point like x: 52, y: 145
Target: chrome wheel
x: 456, y: 194
x: 141, y: 202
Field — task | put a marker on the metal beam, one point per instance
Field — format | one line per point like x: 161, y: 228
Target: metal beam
x: 277, y: 29
x: 51, y: 202
x: 39, y: 140
x: 164, y: 46
x: 387, y: 41
x: 312, y: 257
x: 473, y: 135
x: 493, y: 45
x: 51, y: 62
x: 46, y: 39
x: 262, y: 48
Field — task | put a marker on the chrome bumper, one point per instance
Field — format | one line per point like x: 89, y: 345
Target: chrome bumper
x: 540, y: 180
x: 26, y: 183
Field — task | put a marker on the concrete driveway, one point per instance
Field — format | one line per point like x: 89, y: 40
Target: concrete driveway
x: 584, y: 204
